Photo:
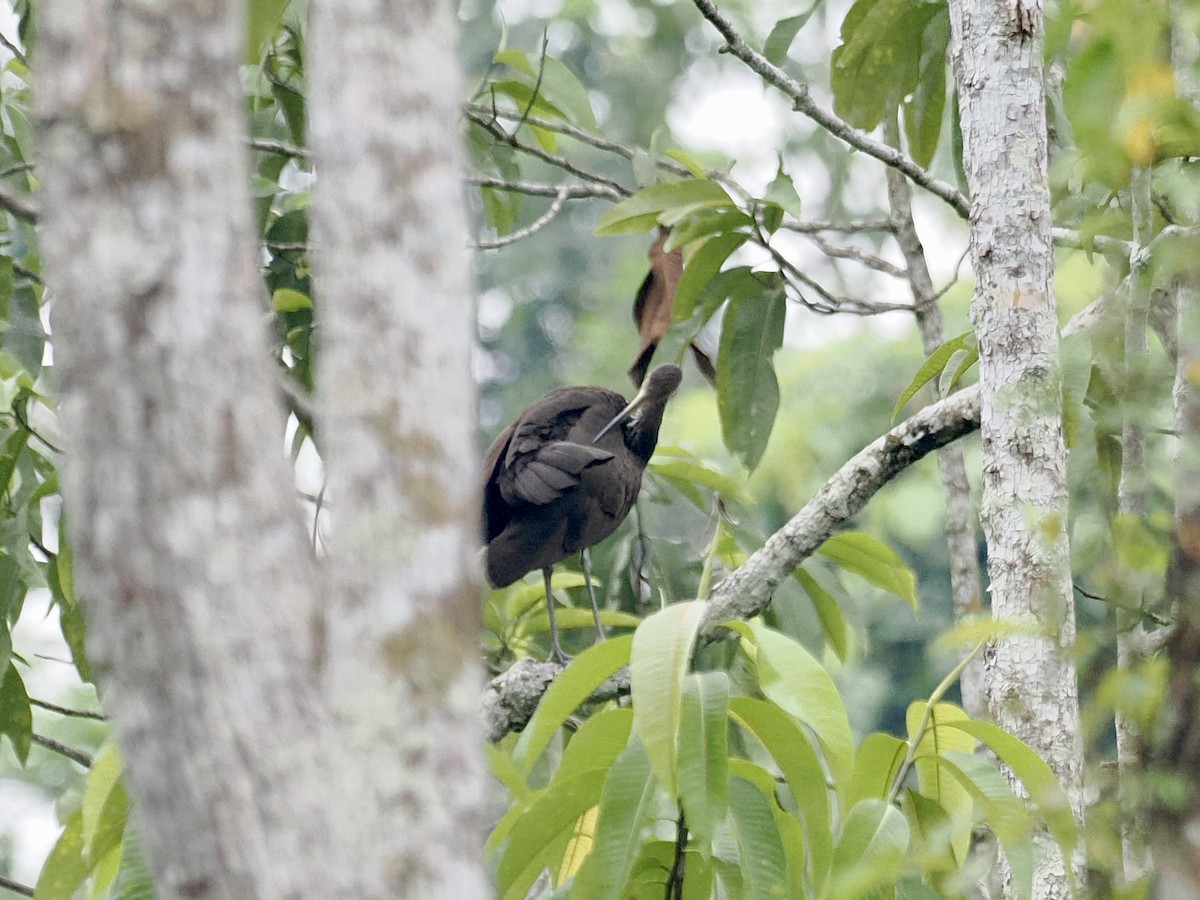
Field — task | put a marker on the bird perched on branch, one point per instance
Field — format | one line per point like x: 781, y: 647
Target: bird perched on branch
x: 563, y: 477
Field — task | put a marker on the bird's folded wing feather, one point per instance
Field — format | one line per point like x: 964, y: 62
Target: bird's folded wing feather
x: 547, y: 474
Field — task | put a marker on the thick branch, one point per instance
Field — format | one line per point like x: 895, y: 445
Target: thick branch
x: 511, y: 698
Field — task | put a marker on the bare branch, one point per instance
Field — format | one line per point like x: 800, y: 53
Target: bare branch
x: 21, y: 207
x: 803, y: 103
x: 844, y: 227
x: 862, y: 257
x: 511, y: 697
x: 12, y: 48
x: 561, y: 162
x: 532, y: 228
x: 77, y: 756
x: 279, y: 148
x: 535, y: 189
x: 16, y: 887
x: 65, y: 711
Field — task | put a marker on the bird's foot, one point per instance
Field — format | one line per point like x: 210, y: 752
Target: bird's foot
x: 558, y: 657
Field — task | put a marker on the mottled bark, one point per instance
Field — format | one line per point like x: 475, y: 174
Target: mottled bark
x: 961, y: 544
x: 396, y: 405
x: 191, y: 556
x: 1031, y: 681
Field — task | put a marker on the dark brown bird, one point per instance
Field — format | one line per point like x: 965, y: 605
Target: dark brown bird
x: 564, y: 476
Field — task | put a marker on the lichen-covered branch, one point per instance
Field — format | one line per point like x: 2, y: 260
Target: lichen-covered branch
x: 512, y: 697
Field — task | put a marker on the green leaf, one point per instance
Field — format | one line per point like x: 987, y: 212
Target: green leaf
x: 874, y: 561
x: 265, y: 17
x: 833, y: 624
x: 703, y: 771
x: 871, y: 850
x: 932, y: 366
x: 704, y: 222
x: 597, y: 743
x: 289, y: 300
x: 16, y: 716
x: 533, y: 840
x: 523, y: 96
x: 760, y: 849
x: 65, y: 868
x: 934, y: 783
x: 662, y: 653
x: 643, y: 210
x: 1035, y: 774
x: 790, y: 677
x: 573, y: 686
x: 1004, y: 812
x: 801, y: 769
x: 626, y: 805
x: 782, y: 192
x: 103, y: 781
x: 703, y: 266
x: 779, y: 41
x: 677, y: 465
x: 925, y: 107
x: 876, y: 764
x: 565, y: 91
x: 500, y: 764
x: 747, y: 389
x: 133, y: 881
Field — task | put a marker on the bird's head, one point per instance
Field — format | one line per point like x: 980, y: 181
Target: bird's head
x: 656, y: 390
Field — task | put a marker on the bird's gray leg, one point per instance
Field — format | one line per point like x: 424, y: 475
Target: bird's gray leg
x: 556, y: 651
x: 586, y: 559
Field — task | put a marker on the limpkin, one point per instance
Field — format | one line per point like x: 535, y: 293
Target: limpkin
x: 564, y: 475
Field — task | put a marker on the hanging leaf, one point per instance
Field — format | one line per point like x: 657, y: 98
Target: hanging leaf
x: 662, y: 653
x: 925, y: 107
x: 760, y: 849
x: 779, y: 41
x: 933, y: 365
x: 652, y: 310
x: 747, y: 389
x: 701, y: 269
x: 876, y: 764
x: 16, y: 716
x: 871, y: 850
x: 874, y: 561
x: 703, y: 771
x: 936, y: 784
x: 65, y: 868
x: 833, y: 623
x: 626, y: 804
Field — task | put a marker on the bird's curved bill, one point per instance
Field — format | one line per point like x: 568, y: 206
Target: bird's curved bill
x: 642, y: 396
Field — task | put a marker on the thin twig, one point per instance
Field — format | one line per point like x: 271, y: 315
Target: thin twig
x: 16, y: 887
x: 65, y: 711
x: 279, y: 148
x: 560, y: 162
x: 803, y: 103
x: 20, y: 207
x: 862, y: 257
x: 14, y: 50
x: 27, y: 273
x: 532, y: 228
x: 535, y: 189
x: 69, y: 752
x: 678, y: 870
x: 16, y: 169
x: 845, y: 227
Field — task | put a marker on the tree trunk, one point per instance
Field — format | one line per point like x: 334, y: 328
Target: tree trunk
x: 198, y: 583
x: 1032, y: 689
x: 396, y: 412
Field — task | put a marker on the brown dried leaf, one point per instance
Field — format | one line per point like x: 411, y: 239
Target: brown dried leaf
x: 653, y: 307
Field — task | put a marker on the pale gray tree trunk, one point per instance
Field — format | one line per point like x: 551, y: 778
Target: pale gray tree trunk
x: 1031, y: 680
x: 960, y: 515
x: 396, y: 407
x: 191, y: 557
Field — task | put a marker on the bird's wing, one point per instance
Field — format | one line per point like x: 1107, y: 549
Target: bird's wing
x: 549, y: 472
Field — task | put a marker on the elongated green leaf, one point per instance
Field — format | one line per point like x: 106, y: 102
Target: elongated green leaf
x: 597, y: 743
x: 969, y: 358
x: 16, y: 716
x: 934, y: 782
x: 1004, y: 812
x: 747, y: 390
x: 575, y: 683
x: 500, y: 764
x: 642, y: 211
x: 871, y: 850
x: 701, y: 269
x: 925, y: 107
x: 1039, y: 780
x: 876, y: 764
x: 760, y: 849
x: 523, y: 96
x: 791, y: 678
x: 801, y: 768
x: 532, y: 840
x: 102, y: 779
x: 703, y: 772
x: 564, y: 91
x: 265, y: 17
x: 833, y: 624
x: 662, y: 653
x: 626, y: 805
x: 779, y: 41
x: 65, y: 868
x: 696, y: 472
x: 289, y: 300
x: 932, y: 366
x: 703, y: 222
x: 873, y: 560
